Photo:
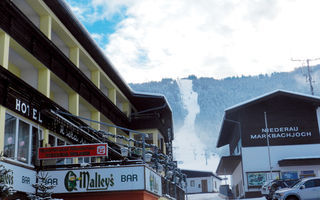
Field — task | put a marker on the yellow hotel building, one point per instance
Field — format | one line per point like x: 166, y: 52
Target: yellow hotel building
x: 57, y: 88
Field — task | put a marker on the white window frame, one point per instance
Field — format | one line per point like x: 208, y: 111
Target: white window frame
x: 80, y: 159
x: 56, y: 144
x: 31, y: 125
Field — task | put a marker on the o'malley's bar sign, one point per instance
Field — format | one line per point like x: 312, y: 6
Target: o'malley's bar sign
x: 69, y: 151
x: 105, y: 179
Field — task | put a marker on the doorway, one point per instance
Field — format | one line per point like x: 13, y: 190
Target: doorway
x: 204, y: 185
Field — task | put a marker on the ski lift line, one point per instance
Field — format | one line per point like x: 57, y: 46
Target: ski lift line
x: 303, y: 60
x: 103, y: 123
x: 308, y: 76
x: 96, y: 139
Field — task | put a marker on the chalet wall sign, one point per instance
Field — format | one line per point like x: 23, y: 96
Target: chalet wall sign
x: 281, y: 132
x: 289, y: 127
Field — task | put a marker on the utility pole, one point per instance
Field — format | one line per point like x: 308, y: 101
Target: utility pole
x: 268, y: 143
x: 308, y: 76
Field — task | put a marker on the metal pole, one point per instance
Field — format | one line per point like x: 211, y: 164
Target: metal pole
x: 156, y: 157
x: 268, y: 144
x: 310, y: 77
x: 144, y: 148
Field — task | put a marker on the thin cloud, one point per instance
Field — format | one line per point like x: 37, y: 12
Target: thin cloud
x: 176, y: 38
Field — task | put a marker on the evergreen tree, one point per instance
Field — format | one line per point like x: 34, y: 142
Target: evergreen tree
x: 42, y: 188
x: 6, y: 189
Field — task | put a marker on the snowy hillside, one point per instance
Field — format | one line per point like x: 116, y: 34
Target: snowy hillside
x: 213, y: 96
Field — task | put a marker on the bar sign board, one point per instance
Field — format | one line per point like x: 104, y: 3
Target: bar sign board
x: 70, y: 151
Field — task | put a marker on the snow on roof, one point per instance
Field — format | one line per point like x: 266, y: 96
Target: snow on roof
x: 198, y: 173
x: 270, y: 93
x: 301, y: 157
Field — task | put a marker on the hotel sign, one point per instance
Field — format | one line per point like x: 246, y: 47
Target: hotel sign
x: 106, y: 179
x: 28, y: 110
x: 70, y: 151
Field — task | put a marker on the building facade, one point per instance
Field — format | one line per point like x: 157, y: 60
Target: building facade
x: 57, y: 88
x: 201, y: 181
x: 272, y: 136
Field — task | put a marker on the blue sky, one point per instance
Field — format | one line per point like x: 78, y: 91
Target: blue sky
x: 150, y: 40
x: 91, y: 17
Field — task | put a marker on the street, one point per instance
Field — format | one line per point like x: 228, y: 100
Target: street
x: 211, y: 196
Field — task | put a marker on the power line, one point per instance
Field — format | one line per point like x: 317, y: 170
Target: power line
x: 309, y: 77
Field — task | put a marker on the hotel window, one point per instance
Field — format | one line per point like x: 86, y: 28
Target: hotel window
x: 21, y: 140
x: 148, y: 138
x: 55, y: 141
x: 88, y: 159
x: 84, y: 160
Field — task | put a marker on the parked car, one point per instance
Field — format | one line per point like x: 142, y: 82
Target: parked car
x: 305, y: 189
x: 269, y: 187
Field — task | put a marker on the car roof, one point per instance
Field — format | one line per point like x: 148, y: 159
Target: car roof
x: 310, y: 178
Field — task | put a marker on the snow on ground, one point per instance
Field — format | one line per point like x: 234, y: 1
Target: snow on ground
x: 211, y: 196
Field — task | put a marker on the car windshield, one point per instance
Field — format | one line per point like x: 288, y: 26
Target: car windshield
x: 297, y: 184
x: 292, y: 183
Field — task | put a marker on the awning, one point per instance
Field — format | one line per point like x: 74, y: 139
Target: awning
x: 299, y: 161
x: 228, y: 164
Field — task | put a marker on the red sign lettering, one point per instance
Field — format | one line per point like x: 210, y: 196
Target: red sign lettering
x: 70, y: 151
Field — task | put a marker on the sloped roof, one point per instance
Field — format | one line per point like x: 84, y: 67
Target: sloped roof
x: 229, y: 124
x: 197, y: 174
x: 228, y: 164
x: 301, y: 96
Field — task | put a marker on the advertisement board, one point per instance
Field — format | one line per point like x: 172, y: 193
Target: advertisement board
x: 257, y: 179
x: 153, y: 182
x: 69, y: 151
x: 98, y: 179
x: 20, y: 178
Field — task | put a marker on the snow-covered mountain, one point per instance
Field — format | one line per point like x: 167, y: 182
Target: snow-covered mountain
x: 213, y: 96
